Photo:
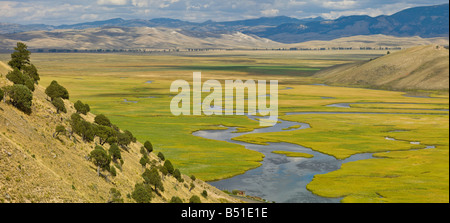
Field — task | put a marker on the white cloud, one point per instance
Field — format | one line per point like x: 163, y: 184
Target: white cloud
x: 89, y: 17
x: 153, y: 3
x: 345, y: 4
x: 373, y: 12
x: 296, y: 3
x: 112, y: 2
x: 75, y: 11
x: 270, y: 12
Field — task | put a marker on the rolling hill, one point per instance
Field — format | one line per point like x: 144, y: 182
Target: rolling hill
x: 120, y: 38
x: 425, y: 22
x: 133, y: 38
x: 416, y: 68
x: 38, y: 167
x: 372, y: 41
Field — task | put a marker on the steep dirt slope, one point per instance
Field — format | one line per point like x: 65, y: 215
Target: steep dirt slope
x: 416, y: 68
x: 36, y: 167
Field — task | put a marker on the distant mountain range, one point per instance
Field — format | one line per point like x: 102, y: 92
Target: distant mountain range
x: 240, y: 25
x: 425, y: 22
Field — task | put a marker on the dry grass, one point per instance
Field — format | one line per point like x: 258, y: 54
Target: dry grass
x: 35, y: 167
x: 417, y: 68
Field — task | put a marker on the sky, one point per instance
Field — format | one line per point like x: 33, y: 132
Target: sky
x: 59, y: 12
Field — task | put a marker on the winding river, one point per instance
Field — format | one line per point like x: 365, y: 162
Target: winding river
x: 281, y: 179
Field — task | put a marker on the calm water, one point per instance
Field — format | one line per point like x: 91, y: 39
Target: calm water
x: 281, y: 179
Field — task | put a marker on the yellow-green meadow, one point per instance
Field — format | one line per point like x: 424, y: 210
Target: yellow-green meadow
x: 408, y: 136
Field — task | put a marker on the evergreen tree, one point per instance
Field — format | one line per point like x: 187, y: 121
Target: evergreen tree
x: 177, y: 175
x: 82, y: 108
x: 32, y: 72
x: 130, y: 136
x: 194, y: 199
x: 21, y: 97
x: 59, y: 130
x: 105, y: 134
x: 144, y: 160
x: 175, y: 200
x: 100, y: 158
x: 59, y: 105
x: 123, y: 139
x: 83, y: 128
x: 148, y: 146
x: 20, y: 57
x: 168, y: 165
x: 114, y: 152
x: 205, y: 193
x: 54, y: 90
x: 102, y: 120
x: 17, y: 77
x: 29, y: 83
x: 161, y: 156
x: 142, y: 193
x: 152, y: 177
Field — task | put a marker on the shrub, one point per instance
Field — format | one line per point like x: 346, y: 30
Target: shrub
x: 102, y: 120
x: 82, y: 128
x: 144, y: 160
x: 152, y: 177
x: 105, y: 134
x: 115, y: 196
x: 2, y: 94
x: 164, y: 170
x: 176, y: 200
x: 114, y: 152
x: 82, y: 108
x: 29, y: 83
x: 168, y: 165
x: 195, y: 199
x: 123, y: 139
x: 59, y: 105
x: 17, y: 77
x: 32, y: 72
x: 205, y: 193
x: 142, y: 193
x: 130, y: 136
x: 54, y: 90
x: 177, y: 175
x: 21, y: 97
x: 100, y: 158
x: 193, y: 178
x: 161, y: 156
x: 148, y: 146
x: 59, y: 130
x: 113, y: 171
x: 86, y: 131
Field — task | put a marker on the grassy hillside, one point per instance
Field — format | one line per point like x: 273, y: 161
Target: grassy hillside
x: 416, y: 68
x: 37, y: 167
x: 373, y: 41
x: 133, y: 38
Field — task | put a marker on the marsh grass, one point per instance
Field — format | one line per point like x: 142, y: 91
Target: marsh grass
x: 401, y: 172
